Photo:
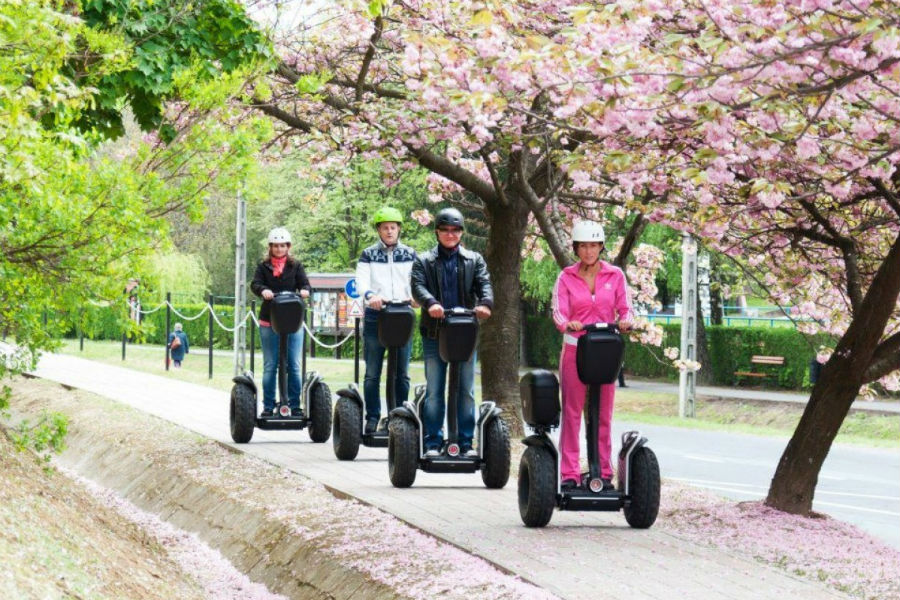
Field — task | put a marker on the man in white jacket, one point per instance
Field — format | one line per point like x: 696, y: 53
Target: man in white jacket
x: 382, y: 275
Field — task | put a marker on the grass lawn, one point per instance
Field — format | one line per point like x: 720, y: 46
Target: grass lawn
x: 757, y: 417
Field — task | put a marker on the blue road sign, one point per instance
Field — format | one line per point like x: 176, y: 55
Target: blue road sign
x: 350, y: 288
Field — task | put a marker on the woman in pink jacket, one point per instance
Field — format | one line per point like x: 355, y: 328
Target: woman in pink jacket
x: 590, y: 291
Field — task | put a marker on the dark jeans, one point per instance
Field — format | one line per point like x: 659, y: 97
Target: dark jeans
x: 268, y: 339
x: 374, y: 352
x: 435, y: 406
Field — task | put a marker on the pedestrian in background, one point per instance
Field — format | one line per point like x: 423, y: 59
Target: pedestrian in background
x: 178, y: 345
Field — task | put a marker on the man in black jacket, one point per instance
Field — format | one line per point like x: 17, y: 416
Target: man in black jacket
x: 449, y: 276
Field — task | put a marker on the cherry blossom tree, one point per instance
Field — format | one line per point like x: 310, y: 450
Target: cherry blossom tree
x: 770, y: 130
x: 467, y: 90
x: 773, y: 132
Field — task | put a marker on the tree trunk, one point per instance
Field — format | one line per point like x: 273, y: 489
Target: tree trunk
x: 499, y: 345
x: 794, y: 483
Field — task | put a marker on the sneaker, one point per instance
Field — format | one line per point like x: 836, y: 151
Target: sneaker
x: 432, y: 453
x: 267, y: 414
x: 470, y: 453
x: 383, y: 425
x: 297, y: 413
x: 607, y: 484
x: 371, y: 426
x: 568, y: 485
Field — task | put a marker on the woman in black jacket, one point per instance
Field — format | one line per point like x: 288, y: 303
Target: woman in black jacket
x: 279, y: 272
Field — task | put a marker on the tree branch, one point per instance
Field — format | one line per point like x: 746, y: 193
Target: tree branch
x: 367, y: 59
x: 631, y: 238
x: 285, y: 117
x: 452, y: 171
x: 551, y: 234
x: 885, y: 360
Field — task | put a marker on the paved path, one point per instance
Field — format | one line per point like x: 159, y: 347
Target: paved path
x: 580, y: 555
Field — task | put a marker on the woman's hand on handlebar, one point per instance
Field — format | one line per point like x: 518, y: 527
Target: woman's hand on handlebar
x: 482, y: 312
x: 436, y: 311
x: 624, y: 326
x: 574, y: 326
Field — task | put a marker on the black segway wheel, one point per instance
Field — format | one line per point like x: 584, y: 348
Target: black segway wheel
x: 537, y: 486
x: 345, y: 431
x: 495, y: 470
x: 644, y: 488
x: 242, y: 415
x: 403, y: 452
x: 320, y: 413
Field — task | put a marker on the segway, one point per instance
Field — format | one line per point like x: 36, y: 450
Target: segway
x: 286, y: 314
x: 396, y: 321
x: 457, y: 337
x: 598, y: 359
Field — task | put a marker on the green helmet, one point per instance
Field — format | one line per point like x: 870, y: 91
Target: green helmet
x: 387, y: 214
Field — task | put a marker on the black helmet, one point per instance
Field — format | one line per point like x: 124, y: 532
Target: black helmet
x: 449, y: 216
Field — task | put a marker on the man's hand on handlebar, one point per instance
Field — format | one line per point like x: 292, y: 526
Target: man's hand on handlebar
x: 304, y: 293
x: 436, y: 311
x: 482, y: 312
x: 376, y: 302
x: 267, y: 294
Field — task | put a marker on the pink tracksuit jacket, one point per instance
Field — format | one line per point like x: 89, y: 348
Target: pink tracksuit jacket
x: 573, y: 301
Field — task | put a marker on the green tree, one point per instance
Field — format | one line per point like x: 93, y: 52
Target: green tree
x: 76, y: 217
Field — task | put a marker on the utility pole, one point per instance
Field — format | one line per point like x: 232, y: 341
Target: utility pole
x: 687, y: 379
x: 240, y: 287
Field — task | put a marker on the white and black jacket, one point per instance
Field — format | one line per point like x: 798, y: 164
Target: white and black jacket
x: 384, y: 272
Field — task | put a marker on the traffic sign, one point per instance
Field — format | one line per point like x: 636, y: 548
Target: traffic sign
x: 350, y: 288
x: 355, y: 308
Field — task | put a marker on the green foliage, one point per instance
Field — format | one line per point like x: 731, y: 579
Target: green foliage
x: 76, y: 217
x: 174, y: 271
x: 538, y: 277
x: 329, y: 210
x: 166, y: 39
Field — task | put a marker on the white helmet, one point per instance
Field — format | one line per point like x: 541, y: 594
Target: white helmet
x: 588, y: 231
x: 279, y: 235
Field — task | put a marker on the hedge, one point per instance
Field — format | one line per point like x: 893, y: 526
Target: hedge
x: 730, y: 350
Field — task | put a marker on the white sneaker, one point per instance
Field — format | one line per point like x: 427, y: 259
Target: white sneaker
x: 471, y: 453
x: 432, y: 453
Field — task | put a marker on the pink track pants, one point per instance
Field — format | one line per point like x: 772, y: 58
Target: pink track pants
x: 574, y: 394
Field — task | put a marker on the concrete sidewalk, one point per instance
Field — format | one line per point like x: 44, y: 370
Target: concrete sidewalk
x: 580, y: 555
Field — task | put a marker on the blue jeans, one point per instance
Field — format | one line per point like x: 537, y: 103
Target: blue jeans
x: 269, y: 341
x: 435, y: 407
x: 373, y: 352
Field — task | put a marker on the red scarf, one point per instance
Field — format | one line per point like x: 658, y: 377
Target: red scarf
x: 278, y: 265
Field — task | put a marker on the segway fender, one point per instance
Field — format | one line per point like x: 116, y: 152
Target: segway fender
x: 631, y: 441
x: 404, y: 412
x: 351, y: 393
x: 541, y: 441
x: 247, y: 380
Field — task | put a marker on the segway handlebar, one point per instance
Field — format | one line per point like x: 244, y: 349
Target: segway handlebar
x: 613, y: 327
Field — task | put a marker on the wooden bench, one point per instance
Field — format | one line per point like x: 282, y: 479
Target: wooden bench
x: 772, y: 361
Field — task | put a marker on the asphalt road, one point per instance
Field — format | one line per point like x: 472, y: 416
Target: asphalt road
x: 857, y: 485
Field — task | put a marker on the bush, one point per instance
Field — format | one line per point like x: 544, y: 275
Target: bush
x: 730, y: 350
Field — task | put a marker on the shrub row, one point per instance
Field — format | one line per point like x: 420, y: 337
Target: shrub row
x: 730, y: 350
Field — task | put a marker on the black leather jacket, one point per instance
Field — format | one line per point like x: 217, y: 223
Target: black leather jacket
x: 292, y: 279
x: 474, y: 284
